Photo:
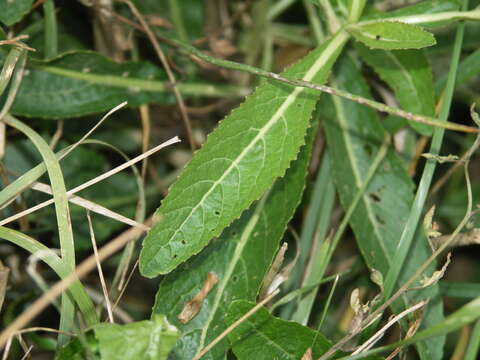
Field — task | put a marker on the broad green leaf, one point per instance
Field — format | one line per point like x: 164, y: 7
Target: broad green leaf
x: 263, y: 336
x: 13, y: 11
x: 252, y: 147
x: 240, y: 259
x: 409, y: 74
x: 146, y: 340
x: 354, y: 135
x: 81, y: 83
x: 391, y: 35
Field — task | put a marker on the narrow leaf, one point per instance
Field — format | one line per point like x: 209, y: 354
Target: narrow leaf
x: 240, y: 258
x: 354, y: 135
x: 391, y: 35
x: 240, y: 160
x: 409, y: 74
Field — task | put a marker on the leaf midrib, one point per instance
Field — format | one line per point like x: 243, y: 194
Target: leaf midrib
x: 314, y: 69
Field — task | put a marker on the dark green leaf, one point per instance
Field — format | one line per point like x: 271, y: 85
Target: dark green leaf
x: 252, y: 147
x: 82, y: 83
x: 354, y: 135
x: 239, y: 258
x: 409, y: 74
x: 263, y: 336
x: 13, y: 11
x: 391, y: 35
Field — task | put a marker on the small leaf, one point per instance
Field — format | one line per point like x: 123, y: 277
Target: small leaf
x: 391, y: 35
x: 146, y: 340
x: 149, y: 339
x: 252, y: 147
x: 13, y: 11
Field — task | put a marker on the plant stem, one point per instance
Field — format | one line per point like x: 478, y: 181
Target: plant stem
x: 51, y: 33
x: 330, y: 90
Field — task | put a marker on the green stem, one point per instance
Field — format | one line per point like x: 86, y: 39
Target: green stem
x: 196, y: 89
x: 473, y: 15
x: 51, y: 33
x: 411, y: 226
x: 473, y: 345
x: 330, y: 90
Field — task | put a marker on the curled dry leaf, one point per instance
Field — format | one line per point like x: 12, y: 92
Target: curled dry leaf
x: 437, y: 275
x: 192, y: 308
x: 269, y: 283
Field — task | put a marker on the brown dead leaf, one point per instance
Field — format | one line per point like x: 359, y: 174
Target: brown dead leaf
x: 192, y: 308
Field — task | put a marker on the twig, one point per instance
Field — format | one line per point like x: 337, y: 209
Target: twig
x: 90, y: 205
x: 235, y: 324
x: 330, y: 90
x: 99, y: 268
x: 171, y: 77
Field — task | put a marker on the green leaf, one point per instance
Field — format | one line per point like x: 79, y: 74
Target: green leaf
x: 146, y: 340
x: 409, y: 74
x: 81, y: 83
x: 240, y: 258
x: 465, y: 315
x: 252, y: 147
x: 13, y: 11
x: 354, y: 135
x: 391, y: 35
x: 263, y: 336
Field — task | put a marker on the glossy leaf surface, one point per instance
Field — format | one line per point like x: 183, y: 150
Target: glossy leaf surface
x: 251, y: 148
